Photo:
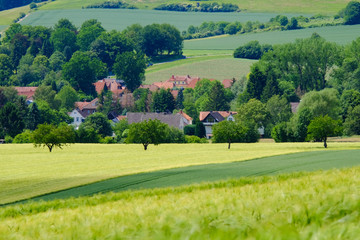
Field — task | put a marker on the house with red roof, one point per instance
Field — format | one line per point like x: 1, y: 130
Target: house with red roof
x: 211, y: 118
x: 117, y: 87
x: 28, y: 92
x: 87, y: 108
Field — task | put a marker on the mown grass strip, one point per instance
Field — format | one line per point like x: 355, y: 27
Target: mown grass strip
x: 306, y: 161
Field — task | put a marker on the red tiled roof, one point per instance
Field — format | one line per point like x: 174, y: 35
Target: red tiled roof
x: 152, y: 87
x: 227, y: 83
x: 26, y: 91
x: 224, y: 114
x: 111, y: 84
x: 87, y: 105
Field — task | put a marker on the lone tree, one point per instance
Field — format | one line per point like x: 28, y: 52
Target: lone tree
x: 320, y: 128
x: 226, y: 131
x: 147, y: 132
x: 51, y: 136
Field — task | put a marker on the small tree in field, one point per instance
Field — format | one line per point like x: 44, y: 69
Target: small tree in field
x: 226, y: 131
x: 51, y: 136
x: 147, y: 132
x: 320, y: 128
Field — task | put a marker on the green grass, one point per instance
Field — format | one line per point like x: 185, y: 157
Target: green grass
x: 27, y: 172
x: 7, y: 16
x: 119, y: 19
x: 306, y: 161
x: 285, y: 6
x: 319, y: 205
x: 211, y: 67
x: 338, y: 34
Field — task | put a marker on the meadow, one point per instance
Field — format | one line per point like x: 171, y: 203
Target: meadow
x: 7, y: 16
x: 27, y: 171
x: 283, y: 6
x: 119, y: 19
x: 338, y: 34
x: 317, y: 205
x: 211, y: 67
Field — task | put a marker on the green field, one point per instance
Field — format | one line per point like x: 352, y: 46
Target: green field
x: 7, y: 16
x: 119, y: 19
x: 338, y: 34
x: 319, y: 205
x: 217, y: 67
x: 27, y: 172
x: 284, y: 6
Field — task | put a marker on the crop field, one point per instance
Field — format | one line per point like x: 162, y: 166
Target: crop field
x: 338, y: 34
x: 317, y: 205
x: 218, y: 67
x: 284, y: 6
x: 119, y: 19
x: 27, y: 172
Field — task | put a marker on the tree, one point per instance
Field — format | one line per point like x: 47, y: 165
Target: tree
x: 256, y: 83
x: 217, y: 100
x: 200, y: 129
x: 251, y: 50
x: 322, y: 127
x: 147, y: 132
x: 352, y: 13
x: 11, y: 120
x: 67, y: 97
x: 321, y: 103
x: 6, y: 69
x: 279, y: 109
x: 33, y: 117
x: 180, y: 99
x: 63, y: 37
x: 120, y: 127
x: 82, y: 71
x: 130, y: 66
x: 52, y: 136
x: 255, y: 111
x: 89, y: 31
x: 352, y: 122
x: 100, y: 123
x: 227, y: 131
x: 65, y: 23
x: 45, y: 93
x: 163, y: 101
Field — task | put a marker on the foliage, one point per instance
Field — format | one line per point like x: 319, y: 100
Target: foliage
x: 130, y: 67
x: 253, y: 111
x: 119, y: 128
x: 189, y: 130
x: 90, y: 30
x: 352, y: 122
x: 322, y: 127
x: 147, y: 132
x: 11, y: 120
x: 5, y: 69
x: 67, y: 97
x: 352, y: 13
x: 163, y: 101
x: 195, y: 139
x: 51, y: 136
x: 251, y: 50
x: 174, y: 135
x: 45, y: 93
x: 112, y: 4
x: 203, y: 7
x: 200, y: 129
x: 87, y: 134
x: 100, y: 123
x: 217, y: 99
x: 24, y: 137
x: 279, y: 109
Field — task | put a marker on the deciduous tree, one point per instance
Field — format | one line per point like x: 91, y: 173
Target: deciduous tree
x: 322, y: 127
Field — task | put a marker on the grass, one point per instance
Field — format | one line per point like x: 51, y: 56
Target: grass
x: 7, y: 16
x: 318, y: 205
x: 308, y: 161
x: 27, y: 172
x: 338, y: 34
x: 119, y: 19
x: 285, y: 6
x: 211, y: 67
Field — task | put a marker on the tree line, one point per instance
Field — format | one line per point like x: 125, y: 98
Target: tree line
x: 199, y: 7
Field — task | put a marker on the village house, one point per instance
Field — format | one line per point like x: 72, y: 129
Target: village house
x: 211, y: 118
x: 87, y: 108
x: 178, y: 120
x: 28, y: 92
x: 78, y: 118
x: 117, y: 87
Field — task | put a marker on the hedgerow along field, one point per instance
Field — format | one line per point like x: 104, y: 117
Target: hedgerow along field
x: 210, y: 67
x: 317, y: 205
x: 279, y: 6
x: 27, y: 171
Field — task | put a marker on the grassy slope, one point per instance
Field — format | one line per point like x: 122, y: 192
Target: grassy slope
x: 308, y: 161
x: 26, y: 171
x: 7, y: 16
x: 294, y: 6
x: 212, y: 67
x: 320, y: 205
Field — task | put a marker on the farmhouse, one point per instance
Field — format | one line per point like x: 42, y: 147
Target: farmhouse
x: 77, y: 116
x: 213, y: 117
x: 178, y: 120
x: 87, y: 108
x: 28, y: 92
x: 116, y: 86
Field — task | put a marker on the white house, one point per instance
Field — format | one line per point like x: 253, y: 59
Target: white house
x: 213, y: 117
x: 78, y: 118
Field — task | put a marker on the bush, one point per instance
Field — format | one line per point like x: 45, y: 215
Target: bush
x: 24, y: 137
x: 107, y: 140
x: 195, y: 139
x: 352, y: 13
x: 8, y: 139
x: 251, y: 50
x: 189, y: 130
x: 33, y: 5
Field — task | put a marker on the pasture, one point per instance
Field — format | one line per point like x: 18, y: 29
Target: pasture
x: 211, y: 67
x: 338, y: 34
x: 27, y: 172
x: 7, y: 16
x: 321, y: 205
x: 283, y: 6
x: 119, y: 19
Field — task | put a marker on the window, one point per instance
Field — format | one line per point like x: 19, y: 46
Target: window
x: 210, y: 120
x: 77, y: 119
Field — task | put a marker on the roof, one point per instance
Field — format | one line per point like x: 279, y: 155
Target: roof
x: 173, y: 120
x: 228, y: 83
x: 26, y: 91
x: 112, y: 85
x: 152, y: 87
x: 87, y: 105
x: 216, y: 114
x: 187, y: 117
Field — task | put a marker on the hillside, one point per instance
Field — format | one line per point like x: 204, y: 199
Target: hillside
x: 275, y: 6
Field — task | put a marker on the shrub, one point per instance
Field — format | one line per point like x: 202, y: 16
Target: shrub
x: 33, y: 5
x: 195, y: 139
x: 24, y: 137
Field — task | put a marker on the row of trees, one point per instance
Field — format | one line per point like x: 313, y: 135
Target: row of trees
x: 32, y: 56
x: 199, y: 7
